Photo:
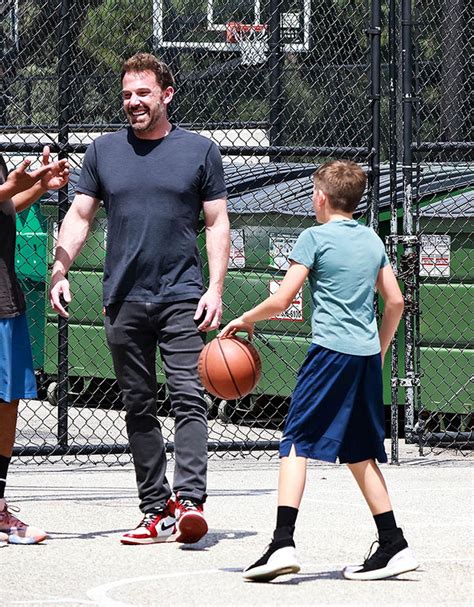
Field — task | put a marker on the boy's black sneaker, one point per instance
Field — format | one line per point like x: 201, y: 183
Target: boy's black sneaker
x: 391, y: 558
x: 278, y: 559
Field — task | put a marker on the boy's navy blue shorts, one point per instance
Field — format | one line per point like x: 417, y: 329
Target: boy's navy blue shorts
x: 337, y: 408
x: 17, y: 378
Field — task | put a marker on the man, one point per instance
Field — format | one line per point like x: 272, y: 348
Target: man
x: 18, y: 191
x: 154, y: 179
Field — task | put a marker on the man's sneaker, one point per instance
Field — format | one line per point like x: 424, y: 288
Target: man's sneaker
x: 276, y: 561
x: 155, y: 527
x: 3, y: 540
x: 390, y: 559
x: 192, y: 525
x: 17, y: 531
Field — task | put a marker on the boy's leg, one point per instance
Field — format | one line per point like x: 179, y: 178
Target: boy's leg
x: 12, y: 530
x: 372, y: 484
x: 393, y: 555
x: 280, y: 557
x: 291, y: 479
x: 8, y: 418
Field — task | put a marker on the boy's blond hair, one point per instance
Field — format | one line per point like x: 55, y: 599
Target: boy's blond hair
x: 343, y: 182
x: 142, y: 62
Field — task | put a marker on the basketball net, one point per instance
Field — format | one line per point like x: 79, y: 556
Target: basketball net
x: 251, y: 39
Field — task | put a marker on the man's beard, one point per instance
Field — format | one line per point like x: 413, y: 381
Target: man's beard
x: 146, y: 125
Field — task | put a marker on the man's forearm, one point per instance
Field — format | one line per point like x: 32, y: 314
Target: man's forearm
x: 218, y: 250
x: 71, y: 239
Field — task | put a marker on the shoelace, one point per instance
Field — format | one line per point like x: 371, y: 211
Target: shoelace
x: 148, y: 520
x: 189, y: 504
x: 369, y: 554
x: 13, y: 520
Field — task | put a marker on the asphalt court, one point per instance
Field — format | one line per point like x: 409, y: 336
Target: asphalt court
x: 86, y: 507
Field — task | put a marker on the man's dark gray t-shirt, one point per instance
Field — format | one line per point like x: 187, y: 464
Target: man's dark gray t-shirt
x: 152, y: 191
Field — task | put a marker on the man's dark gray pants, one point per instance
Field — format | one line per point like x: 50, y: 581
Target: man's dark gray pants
x: 134, y: 330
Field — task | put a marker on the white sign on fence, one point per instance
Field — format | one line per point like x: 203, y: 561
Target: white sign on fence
x: 237, y: 249
x: 435, y: 255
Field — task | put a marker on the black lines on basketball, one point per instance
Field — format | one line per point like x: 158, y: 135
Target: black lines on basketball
x: 219, y: 343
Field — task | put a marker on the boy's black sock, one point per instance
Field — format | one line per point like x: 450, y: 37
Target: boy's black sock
x: 387, y: 527
x: 4, y: 463
x: 286, y: 516
x: 285, y: 527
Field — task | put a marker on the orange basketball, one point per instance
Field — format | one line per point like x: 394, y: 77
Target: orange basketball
x: 229, y: 368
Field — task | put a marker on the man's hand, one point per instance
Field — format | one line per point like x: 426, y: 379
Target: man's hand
x: 58, y: 172
x: 236, y: 325
x: 210, y: 304
x: 59, y: 289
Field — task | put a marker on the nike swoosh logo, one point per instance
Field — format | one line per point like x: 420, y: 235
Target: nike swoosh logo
x: 166, y: 527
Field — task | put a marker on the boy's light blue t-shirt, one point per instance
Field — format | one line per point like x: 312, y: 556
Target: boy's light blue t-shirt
x: 344, y: 258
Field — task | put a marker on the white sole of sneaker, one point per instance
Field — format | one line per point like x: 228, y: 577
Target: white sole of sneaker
x: 147, y: 540
x: 402, y: 562
x: 26, y: 541
x: 191, y: 528
x: 282, y: 562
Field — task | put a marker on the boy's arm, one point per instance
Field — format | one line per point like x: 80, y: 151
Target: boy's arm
x: 72, y: 236
x: 276, y: 303
x: 388, y: 288
x: 25, y: 187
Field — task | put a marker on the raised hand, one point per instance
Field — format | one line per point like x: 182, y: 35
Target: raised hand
x: 58, y: 172
x: 20, y: 180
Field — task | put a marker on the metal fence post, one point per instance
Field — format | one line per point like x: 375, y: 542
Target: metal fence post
x: 63, y: 205
x: 275, y: 66
x: 393, y: 160
x: 409, y: 251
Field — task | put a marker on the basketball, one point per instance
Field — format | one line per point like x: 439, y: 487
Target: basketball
x: 230, y: 367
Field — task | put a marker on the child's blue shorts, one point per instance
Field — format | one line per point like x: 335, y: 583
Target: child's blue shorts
x: 17, y: 378
x: 337, y: 409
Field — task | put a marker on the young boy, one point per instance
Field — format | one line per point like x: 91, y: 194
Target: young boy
x: 18, y: 190
x: 337, y: 409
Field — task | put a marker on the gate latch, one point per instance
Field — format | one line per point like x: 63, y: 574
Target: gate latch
x: 405, y: 382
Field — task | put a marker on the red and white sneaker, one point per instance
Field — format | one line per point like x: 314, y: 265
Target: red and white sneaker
x: 190, y: 521
x: 3, y: 540
x: 154, y: 528
x: 17, y: 531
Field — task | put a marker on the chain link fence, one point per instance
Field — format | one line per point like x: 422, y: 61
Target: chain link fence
x: 281, y: 86
x: 442, y: 129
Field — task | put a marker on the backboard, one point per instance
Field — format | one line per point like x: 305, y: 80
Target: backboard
x: 202, y: 24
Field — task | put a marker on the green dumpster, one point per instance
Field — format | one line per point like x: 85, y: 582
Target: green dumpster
x: 446, y: 298
x: 267, y: 212
x: 31, y: 268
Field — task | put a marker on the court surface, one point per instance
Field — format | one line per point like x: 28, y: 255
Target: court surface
x: 86, y: 508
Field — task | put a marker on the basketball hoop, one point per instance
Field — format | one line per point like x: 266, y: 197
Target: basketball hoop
x: 251, y: 39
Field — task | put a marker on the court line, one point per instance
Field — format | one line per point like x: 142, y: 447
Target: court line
x: 99, y: 593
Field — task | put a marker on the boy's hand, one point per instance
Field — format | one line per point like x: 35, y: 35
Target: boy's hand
x: 237, y: 325
x: 58, y: 172
x: 20, y: 180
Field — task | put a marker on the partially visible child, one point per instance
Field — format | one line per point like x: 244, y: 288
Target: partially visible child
x: 18, y: 190
x: 337, y: 409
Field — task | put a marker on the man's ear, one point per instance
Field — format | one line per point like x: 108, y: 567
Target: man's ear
x: 168, y: 94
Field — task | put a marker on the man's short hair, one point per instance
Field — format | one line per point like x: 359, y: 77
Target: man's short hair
x: 343, y: 182
x: 142, y: 62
